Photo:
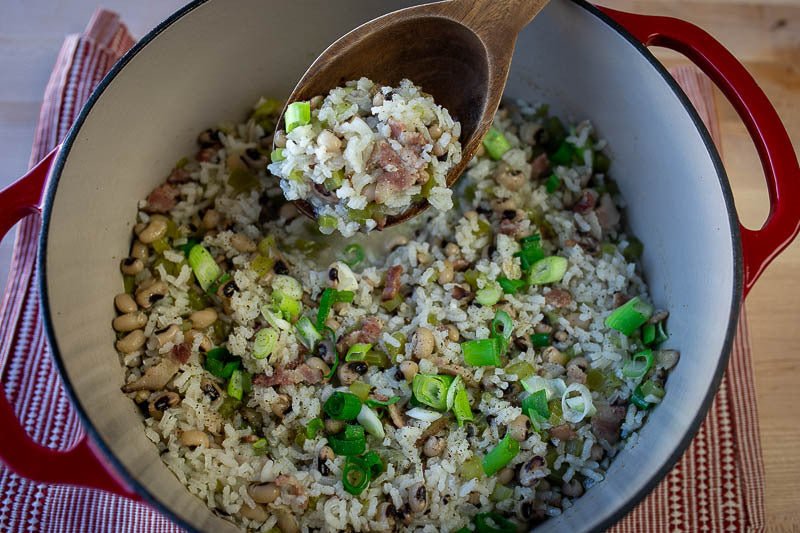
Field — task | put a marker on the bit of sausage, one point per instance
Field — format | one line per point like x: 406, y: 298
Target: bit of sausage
x: 563, y: 432
x: 178, y: 176
x: 558, y: 297
x: 539, y: 166
x: 607, y: 421
x: 607, y: 213
x: 436, y: 426
x: 289, y: 376
x: 396, y: 416
x: 620, y: 299
x: 586, y: 202
x: 181, y: 352
x: 369, y: 332
x: 162, y: 199
x: 392, y: 287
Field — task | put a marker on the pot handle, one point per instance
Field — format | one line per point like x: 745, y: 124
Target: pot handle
x: 81, y: 465
x: 761, y: 246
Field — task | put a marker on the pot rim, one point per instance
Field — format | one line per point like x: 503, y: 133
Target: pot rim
x: 623, y: 509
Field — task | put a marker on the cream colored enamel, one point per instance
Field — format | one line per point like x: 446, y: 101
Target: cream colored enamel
x: 214, y: 63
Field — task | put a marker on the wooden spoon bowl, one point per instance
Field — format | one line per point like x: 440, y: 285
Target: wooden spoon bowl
x: 459, y: 51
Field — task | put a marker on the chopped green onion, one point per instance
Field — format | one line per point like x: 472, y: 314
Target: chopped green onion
x: 461, y: 406
x: 357, y: 352
x: 297, y: 114
x: 351, y: 442
x: 314, y: 426
x: 335, y: 181
x: 500, y: 455
x: 451, y: 393
x: 431, y: 390
x: 554, y: 387
x: 575, y: 409
x: 290, y: 308
x: 484, y: 521
x: 360, y: 389
x: 511, y: 286
x: 342, y: 406
x: 264, y: 342
x: 496, y: 144
x: 638, y: 365
x: 482, y: 352
x: 564, y: 154
x: 647, y: 394
x: 531, y: 251
x: 521, y: 369
x: 288, y: 286
x: 372, y: 424
x: 229, y: 368
x: 236, y: 385
x: 536, y: 404
x: 661, y: 333
x: 373, y: 462
x: 548, y: 270
x: 378, y: 359
x: 242, y: 180
x: 330, y: 344
x: 502, y: 325
x: 327, y: 222
x: 552, y: 184
x: 630, y: 316
x: 205, y: 269
x: 277, y: 155
x: 307, y: 333
x: 501, y: 493
x: 540, y: 340
x: 355, y: 477
x: 489, y: 295
x: 634, y: 250
x: 273, y: 319
x: 215, y: 367
x: 260, y: 447
x: 352, y: 255
x: 326, y: 301
x: 190, y: 243
x: 648, y: 334
x: 380, y: 403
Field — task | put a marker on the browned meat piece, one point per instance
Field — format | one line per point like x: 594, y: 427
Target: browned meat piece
x: 206, y: 154
x: 289, y: 376
x: 397, y: 128
x: 586, y: 202
x: 607, y: 214
x: 558, y: 297
x: 162, y: 199
x: 607, y: 421
x: 392, y: 287
x: 563, y: 432
x: 181, y: 352
x: 371, y: 328
x: 179, y: 175
x: 620, y: 299
x: 539, y: 166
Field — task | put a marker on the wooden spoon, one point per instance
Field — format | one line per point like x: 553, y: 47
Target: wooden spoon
x: 459, y: 51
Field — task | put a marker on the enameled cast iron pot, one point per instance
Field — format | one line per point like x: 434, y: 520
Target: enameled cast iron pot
x: 213, y: 59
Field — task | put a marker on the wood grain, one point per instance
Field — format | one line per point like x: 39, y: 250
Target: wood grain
x: 765, y: 35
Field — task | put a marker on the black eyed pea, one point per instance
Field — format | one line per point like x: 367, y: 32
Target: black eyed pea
x: 131, y: 342
x: 141, y: 396
x: 332, y: 427
x: 168, y: 335
x: 125, y: 303
x: 287, y: 522
x: 130, y: 266
x: 561, y: 336
x: 543, y: 328
x: 155, y: 229
x: 256, y: 514
x: 139, y: 250
x: 211, y: 219
x: 525, y: 510
x: 436, y: 131
x: 329, y: 141
x: 325, y: 454
x: 417, y: 498
x: 386, y: 514
x: 452, y: 333
x: 281, y: 405
x: 129, y: 321
x: 572, y: 488
x: 205, y: 342
x: 409, y: 369
x: 424, y: 343
x: 150, y: 293
x: 161, y: 402
x: 532, y: 470
x: 433, y: 447
x: 264, y: 492
x: 512, y: 180
x: 350, y: 372
x: 243, y: 243
x: 474, y: 498
x: 316, y: 102
x: 518, y: 428
x: 451, y: 249
x: 203, y: 318
x: 319, y: 364
x: 553, y: 355
x: 438, y: 150
x: 596, y: 453
x: 505, y: 476
x: 447, y: 273
x: 280, y: 139
x: 192, y: 438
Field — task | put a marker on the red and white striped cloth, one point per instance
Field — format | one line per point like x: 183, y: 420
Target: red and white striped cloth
x: 718, y: 484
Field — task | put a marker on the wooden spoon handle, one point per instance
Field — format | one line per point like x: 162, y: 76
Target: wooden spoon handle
x: 495, y: 21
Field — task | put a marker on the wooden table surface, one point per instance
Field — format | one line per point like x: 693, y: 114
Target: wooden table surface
x: 764, y: 34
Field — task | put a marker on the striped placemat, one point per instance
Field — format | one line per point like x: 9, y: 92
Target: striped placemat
x: 718, y: 484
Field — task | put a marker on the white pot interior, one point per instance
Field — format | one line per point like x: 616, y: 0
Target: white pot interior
x: 214, y: 63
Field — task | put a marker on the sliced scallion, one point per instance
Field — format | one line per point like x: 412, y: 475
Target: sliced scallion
x: 425, y: 415
x: 461, y: 406
x: 536, y: 404
x: 431, y: 390
x: 630, y: 316
x: 314, y: 426
x: 327, y: 300
x: 540, y: 340
x: 350, y: 442
x: 357, y: 352
x: 489, y: 295
x: 493, y: 523
x: 297, y: 114
x: 236, y: 385
x: 482, y: 352
x: 502, y: 325
x: 552, y: 184
x: 260, y: 447
x: 496, y: 144
x: 548, y: 270
x: 355, y: 477
x: 205, y: 269
x: 307, y: 333
x: 382, y: 403
x: 374, y: 464
x: 511, y: 286
x: 264, y: 342
x: 372, y: 424
x: 353, y: 254
x: 342, y: 406
x: 360, y: 389
x: 500, y: 455
x: 575, y: 409
x: 638, y: 365
x: 273, y: 319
